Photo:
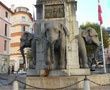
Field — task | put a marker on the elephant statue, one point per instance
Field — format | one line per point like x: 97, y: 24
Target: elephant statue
x: 86, y: 37
x: 27, y: 41
x: 55, y: 34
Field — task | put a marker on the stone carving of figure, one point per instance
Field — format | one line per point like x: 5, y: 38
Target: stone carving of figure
x: 88, y: 36
x: 55, y: 34
x: 27, y: 41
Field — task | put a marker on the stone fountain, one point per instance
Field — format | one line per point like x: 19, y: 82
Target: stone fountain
x: 63, y: 12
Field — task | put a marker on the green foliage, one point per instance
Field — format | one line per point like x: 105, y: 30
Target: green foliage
x: 106, y: 39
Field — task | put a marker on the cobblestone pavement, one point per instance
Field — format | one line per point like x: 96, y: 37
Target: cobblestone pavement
x: 11, y: 77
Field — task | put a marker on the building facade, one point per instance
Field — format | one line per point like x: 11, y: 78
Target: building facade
x: 21, y: 21
x: 5, y: 24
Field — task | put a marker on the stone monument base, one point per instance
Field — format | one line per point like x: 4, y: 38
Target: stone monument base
x: 69, y: 72
x: 65, y: 82
x: 65, y: 72
x: 50, y: 83
x: 55, y: 79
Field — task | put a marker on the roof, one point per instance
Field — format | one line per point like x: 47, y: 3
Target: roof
x: 22, y: 7
x: 6, y: 7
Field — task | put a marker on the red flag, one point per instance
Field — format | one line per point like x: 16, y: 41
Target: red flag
x: 99, y: 13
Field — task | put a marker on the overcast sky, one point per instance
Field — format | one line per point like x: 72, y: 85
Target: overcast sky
x: 86, y: 10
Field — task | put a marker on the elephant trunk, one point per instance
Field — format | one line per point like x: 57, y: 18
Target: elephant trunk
x: 22, y: 53
x: 95, y: 41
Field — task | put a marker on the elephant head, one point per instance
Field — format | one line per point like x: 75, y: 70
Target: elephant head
x: 90, y: 36
x: 55, y: 34
x: 53, y: 30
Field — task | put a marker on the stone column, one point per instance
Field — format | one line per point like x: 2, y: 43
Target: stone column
x: 72, y: 43
x: 73, y: 67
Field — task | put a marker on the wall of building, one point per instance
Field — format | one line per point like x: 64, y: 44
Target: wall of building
x: 20, y: 20
x: 5, y: 24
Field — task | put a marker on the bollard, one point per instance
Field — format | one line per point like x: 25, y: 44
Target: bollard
x: 15, y: 85
x: 86, y: 84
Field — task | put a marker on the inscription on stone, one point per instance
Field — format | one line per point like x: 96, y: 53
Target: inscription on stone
x: 54, y: 11
x: 50, y: 1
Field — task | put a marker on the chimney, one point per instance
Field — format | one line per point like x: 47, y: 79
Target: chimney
x: 12, y: 7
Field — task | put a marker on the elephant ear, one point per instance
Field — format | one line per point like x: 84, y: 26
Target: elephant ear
x: 27, y: 36
x: 84, y: 33
x: 30, y: 36
x: 24, y: 36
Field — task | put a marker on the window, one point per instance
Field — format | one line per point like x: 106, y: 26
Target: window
x: 23, y: 18
x: 6, y: 14
x: 19, y: 9
x: 23, y: 28
x: 5, y: 29
x: 5, y: 45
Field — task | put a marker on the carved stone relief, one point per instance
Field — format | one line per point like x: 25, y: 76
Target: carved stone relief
x: 54, y: 11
